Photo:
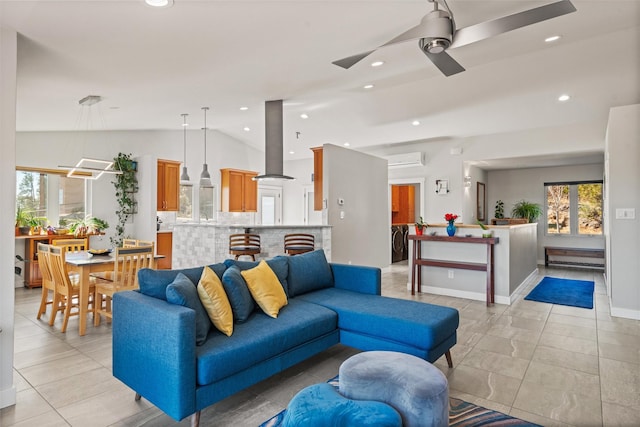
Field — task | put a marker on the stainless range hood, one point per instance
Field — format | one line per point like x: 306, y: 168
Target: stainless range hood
x: 274, y: 143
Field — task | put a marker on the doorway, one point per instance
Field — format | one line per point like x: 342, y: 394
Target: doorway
x: 311, y: 216
x: 406, y: 206
x: 269, y: 205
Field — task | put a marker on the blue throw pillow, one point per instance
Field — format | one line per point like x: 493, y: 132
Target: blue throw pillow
x: 279, y: 265
x: 154, y: 283
x: 183, y: 292
x: 309, y: 272
x: 238, y: 293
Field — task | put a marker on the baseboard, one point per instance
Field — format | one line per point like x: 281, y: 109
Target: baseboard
x: 515, y: 293
x: 624, y: 312
x: 8, y: 397
x: 476, y: 296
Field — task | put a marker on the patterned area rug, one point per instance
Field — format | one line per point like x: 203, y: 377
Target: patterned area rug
x: 461, y: 414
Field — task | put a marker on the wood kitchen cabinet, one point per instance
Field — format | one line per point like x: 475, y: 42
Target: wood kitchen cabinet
x: 317, y: 178
x: 164, y: 247
x: 168, y: 185
x: 403, y: 204
x: 239, y: 192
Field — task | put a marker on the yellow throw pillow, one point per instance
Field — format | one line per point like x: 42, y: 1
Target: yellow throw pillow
x: 265, y: 288
x: 215, y: 301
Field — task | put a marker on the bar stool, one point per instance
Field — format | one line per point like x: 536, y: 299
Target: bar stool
x: 298, y: 243
x: 244, y: 244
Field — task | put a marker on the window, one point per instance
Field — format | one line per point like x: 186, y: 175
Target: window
x: 186, y: 203
x: 50, y: 194
x: 207, y: 201
x: 574, y: 208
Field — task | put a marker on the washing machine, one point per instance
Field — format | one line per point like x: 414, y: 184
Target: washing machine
x: 397, y: 244
x: 405, y: 241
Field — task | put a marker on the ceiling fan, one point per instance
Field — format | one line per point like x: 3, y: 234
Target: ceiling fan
x: 437, y: 32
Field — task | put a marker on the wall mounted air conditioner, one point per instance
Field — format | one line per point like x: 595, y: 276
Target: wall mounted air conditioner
x: 405, y: 160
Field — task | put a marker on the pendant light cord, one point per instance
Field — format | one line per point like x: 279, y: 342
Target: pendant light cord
x: 205, y: 133
x: 184, y: 126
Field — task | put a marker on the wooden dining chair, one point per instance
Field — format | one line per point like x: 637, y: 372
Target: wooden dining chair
x: 129, y: 243
x: 72, y: 245
x: 125, y: 277
x: 48, y: 284
x: 298, y: 243
x: 66, y: 296
x: 244, y: 244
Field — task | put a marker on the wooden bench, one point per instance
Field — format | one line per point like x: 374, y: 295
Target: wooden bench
x: 573, y: 252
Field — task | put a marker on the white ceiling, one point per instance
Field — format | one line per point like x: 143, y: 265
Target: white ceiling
x: 150, y: 65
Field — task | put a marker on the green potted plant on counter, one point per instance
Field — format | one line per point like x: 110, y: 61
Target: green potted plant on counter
x: 486, y: 233
x: 528, y: 210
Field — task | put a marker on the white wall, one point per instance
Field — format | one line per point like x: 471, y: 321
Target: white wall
x: 514, y: 185
x: 53, y: 149
x: 623, y: 191
x: 360, y: 236
x: 8, y: 63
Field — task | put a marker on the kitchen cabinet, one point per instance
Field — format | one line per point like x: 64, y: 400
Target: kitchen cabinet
x: 239, y: 192
x: 403, y: 204
x: 164, y: 247
x: 168, y: 185
x: 317, y: 178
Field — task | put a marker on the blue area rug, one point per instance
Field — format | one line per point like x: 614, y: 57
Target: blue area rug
x: 461, y: 414
x: 574, y: 293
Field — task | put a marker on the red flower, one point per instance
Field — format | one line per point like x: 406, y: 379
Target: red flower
x: 450, y: 217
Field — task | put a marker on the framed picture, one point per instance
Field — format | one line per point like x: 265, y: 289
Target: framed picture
x: 481, y: 202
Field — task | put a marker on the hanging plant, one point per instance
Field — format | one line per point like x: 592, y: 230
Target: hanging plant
x: 126, y: 185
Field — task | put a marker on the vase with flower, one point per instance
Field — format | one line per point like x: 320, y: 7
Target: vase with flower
x: 451, y: 228
x: 420, y: 226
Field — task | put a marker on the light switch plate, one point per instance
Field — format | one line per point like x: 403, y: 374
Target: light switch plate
x: 626, y: 213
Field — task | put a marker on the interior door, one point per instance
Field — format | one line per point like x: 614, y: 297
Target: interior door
x: 311, y: 216
x: 269, y: 205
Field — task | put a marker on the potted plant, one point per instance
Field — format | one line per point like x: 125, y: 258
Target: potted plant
x: 22, y: 222
x: 125, y: 184
x: 485, y: 230
x: 87, y: 225
x: 528, y: 210
x: 420, y: 226
x: 499, y: 210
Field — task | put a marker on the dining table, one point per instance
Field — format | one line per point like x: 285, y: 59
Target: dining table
x: 84, y: 263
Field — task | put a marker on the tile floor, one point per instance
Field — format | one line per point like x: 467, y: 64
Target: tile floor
x: 549, y: 364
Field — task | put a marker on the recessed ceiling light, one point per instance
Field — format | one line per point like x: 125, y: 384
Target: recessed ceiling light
x: 247, y: 128
x: 367, y: 87
x: 552, y: 39
x: 346, y: 144
x: 244, y: 108
x: 564, y: 97
x: 304, y: 116
x: 415, y: 123
x: 292, y: 152
x: 377, y: 63
x: 159, y: 3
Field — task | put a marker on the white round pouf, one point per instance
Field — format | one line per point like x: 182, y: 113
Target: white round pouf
x: 412, y: 386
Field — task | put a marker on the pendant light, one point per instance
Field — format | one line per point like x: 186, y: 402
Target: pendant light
x: 184, y: 177
x: 205, y: 178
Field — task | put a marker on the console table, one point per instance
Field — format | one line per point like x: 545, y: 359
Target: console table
x: 417, y: 260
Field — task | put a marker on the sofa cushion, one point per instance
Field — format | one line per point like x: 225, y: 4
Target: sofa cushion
x: 261, y: 338
x: 183, y: 292
x: 154, y: 282
x: 279, y: 265
x: 265, y: 288
x: 238, y: 293
x: 215, y: 301
x: 308, y: 272
x: 418, y: 324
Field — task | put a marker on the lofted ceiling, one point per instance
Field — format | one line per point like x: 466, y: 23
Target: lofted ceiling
x: 151, y: 65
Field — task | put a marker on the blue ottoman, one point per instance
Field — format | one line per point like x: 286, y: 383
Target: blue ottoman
x: 414, y: 387
x: 321, y: 405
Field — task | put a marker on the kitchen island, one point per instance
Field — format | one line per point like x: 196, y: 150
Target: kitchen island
x: 202, y: 244
x: 514, y: 261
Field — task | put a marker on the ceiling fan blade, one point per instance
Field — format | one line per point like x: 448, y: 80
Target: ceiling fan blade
x: 350, y: 61
x: 445, y: 63
x: 484, y: 30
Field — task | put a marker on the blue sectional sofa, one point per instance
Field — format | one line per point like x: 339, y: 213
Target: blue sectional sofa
x: 167, y: 353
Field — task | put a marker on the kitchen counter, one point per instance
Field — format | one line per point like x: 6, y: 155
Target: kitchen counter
x: 196, y: 244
